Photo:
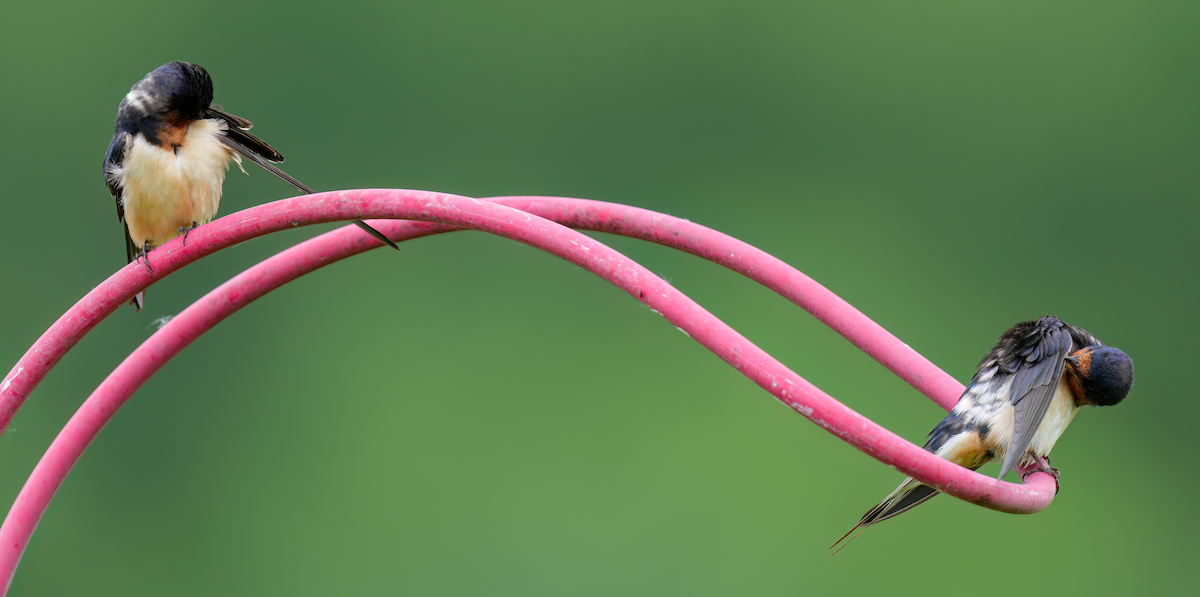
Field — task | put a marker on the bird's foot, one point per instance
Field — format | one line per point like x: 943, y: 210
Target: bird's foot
x: 145, y: 255
x: 1041, y: 464
x: 185, y: 231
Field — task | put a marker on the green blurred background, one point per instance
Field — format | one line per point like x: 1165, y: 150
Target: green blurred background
x: 474, y: 417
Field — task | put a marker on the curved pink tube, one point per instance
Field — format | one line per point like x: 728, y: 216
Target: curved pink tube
x: 497, y: 219
x: 681, y: 234
x: 759, y: 266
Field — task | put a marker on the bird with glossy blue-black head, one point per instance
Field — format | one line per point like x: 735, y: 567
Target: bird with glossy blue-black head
x: 170, y: 150
x: 1025, y: 392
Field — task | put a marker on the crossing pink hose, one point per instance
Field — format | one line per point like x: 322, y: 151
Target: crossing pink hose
x: 541, y: 222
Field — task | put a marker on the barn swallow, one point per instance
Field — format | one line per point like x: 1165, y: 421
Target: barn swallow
x: 1023, y: 395
x: 169, y: 153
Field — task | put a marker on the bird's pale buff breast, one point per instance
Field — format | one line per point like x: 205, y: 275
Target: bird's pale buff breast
x: 1061, y: 411
x: 164, y: 190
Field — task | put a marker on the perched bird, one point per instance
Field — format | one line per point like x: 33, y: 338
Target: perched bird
x: 1023, y: 395
x: 167, y: 160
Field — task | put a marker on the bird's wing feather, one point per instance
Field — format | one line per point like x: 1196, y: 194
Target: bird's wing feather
x: 1036, y: 362
x: 234, y: 142
x: 115, y: 156
x: 238, y: 128
x: 255, y: 157
x: 131, y: 250
x: 218, y: 111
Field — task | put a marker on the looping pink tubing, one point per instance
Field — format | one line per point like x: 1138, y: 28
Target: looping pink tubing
x: 600, y: 216
x: 489, y: 216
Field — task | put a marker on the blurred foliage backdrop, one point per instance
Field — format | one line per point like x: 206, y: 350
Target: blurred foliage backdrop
x: 473, y: 417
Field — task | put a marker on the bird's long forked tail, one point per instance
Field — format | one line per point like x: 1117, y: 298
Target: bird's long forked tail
x: 284, y: 176
x: 910, y: 494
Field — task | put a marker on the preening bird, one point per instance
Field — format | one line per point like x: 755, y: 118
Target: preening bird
x: 169, y: 153
x: 1023, y: 395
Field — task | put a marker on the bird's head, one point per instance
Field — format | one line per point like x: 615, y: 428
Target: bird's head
x: 1100, y: 375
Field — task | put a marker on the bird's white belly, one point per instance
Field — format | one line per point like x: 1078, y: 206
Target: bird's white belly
x: 1059, y: 414
x: 165, y: 190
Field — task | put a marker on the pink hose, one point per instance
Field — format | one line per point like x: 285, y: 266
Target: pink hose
x: 521, y: 224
